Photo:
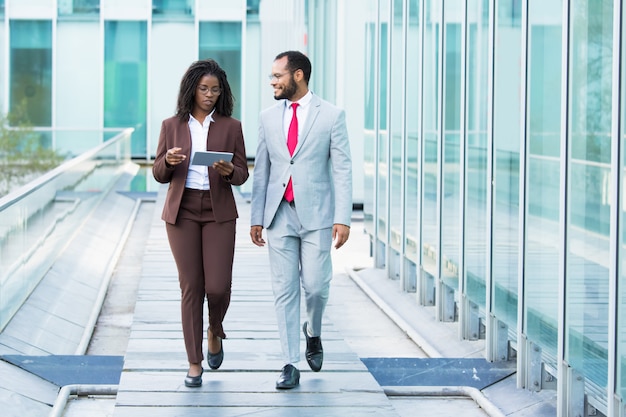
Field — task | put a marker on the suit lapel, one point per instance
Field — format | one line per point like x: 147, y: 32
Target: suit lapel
x: 314, y: 111
x: 185, y: 138
x: 214, y: 133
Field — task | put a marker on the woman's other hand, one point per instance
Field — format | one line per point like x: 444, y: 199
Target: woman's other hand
x: 173, y: 156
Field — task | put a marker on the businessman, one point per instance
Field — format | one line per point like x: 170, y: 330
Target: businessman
x: 302, y: 196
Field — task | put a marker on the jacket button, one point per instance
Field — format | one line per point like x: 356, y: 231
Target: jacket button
x: 291, y: 162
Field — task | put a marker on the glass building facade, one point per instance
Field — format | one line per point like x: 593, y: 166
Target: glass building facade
x: 487, y: 140
x: 93, y: 64
x: 493, y: 153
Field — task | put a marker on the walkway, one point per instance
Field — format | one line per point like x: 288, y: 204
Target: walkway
x: 155, y: 361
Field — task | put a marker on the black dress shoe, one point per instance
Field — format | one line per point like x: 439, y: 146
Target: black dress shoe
x: 194, y: 381
x: 289, y: 377
x: 314, y: 351
x: 215, y: 359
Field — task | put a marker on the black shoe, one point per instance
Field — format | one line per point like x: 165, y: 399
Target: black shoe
x: 215, y: 360
x: 314, y: 352
x: 289, y: 377
x: 194, y: 381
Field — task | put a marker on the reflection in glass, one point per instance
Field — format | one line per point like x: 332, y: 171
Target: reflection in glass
x: 125, y: 76
x: 588, y: 204
x: 430, y: 156
x: 72, y: 7
x: 383, y: 133
x: 31, y: 70
x: 412, y: 130
x: 452, y: 107
x: 506, y: 140
x: 475, y: 248
x: 37, y: 224
x: 621, y: 304
x: 395, y: 131
x: 541, y: 267
x: 172, y: 7
x: 369, y: 150
x: 222, y: 42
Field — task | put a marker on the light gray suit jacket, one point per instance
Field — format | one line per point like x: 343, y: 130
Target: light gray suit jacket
x: 320, y: 168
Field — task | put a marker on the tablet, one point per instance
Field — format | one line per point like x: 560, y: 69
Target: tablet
x: 209, y: 158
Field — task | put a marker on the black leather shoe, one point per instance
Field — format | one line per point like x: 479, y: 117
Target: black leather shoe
x: 314, y: 351
x: 289, y: 377
x: 194, y: 381
x: 215, y: 360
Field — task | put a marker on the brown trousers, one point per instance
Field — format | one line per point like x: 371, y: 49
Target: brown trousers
x: 203, y: 250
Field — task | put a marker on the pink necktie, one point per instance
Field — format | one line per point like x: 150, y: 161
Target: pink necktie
x: 292, y: 141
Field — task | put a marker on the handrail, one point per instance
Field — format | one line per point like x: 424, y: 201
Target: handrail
x: 16, y: 195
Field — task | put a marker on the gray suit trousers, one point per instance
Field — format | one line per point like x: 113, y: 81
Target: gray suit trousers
x: 299, y: 258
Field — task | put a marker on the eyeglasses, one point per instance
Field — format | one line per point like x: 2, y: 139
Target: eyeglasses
x: 277, y: 76
x: 216, y: 91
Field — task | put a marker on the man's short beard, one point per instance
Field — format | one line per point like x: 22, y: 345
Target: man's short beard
x: 288, y: 91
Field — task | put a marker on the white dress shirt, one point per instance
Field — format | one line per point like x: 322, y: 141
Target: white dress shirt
x: 198, y: 175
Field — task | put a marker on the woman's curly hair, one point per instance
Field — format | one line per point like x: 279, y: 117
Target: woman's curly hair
x: 189, y: 83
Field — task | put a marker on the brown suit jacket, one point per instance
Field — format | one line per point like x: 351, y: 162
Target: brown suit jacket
x: 225, y: 135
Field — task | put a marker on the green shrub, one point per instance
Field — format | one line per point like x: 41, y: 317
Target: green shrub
x: 23, y: 157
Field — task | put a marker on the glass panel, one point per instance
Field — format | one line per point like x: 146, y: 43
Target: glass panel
x: 383, y: 134
x: 222, y: 42
x: 37, y: 224
x: 543, y: 242
x: 452, y: 107
x: 172, y: 7
x: 125, y: 79
x: 70, y: 7
x: 621, y: 305
x: 475, y: 247
x: 397, y: 87
x: 31, y: 71
x: 430, y: 155
x: 506, y: 141
x: 414, y: 55
x: 253, y: 7
x: 369, y: 145
x: 589, y: 202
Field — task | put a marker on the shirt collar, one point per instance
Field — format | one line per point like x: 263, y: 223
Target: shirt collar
x: 207, y: 119
x: 304, y: 101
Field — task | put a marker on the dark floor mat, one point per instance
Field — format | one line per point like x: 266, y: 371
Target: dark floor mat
x: 472, y: 372
x: 71, y: 369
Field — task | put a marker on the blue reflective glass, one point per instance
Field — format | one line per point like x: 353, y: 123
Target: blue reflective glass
x: 395, y: 128
x: 589, y: 203
x: 413, y: 82
x: 475, y: 210
x: 621, y: 304
x: 452, y: 107
x: 383, y: 133
x: 430, y: 153
x: 30, y: 76
x: 172, y: 7
x: 221, y: 41
x: 125, y: 73
x: 82, y: 7
x: 369, y: 150
x: 542, y: 248
x: 506, y: 160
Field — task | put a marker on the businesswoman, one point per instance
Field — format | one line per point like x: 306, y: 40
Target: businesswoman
x: 200, y: 210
